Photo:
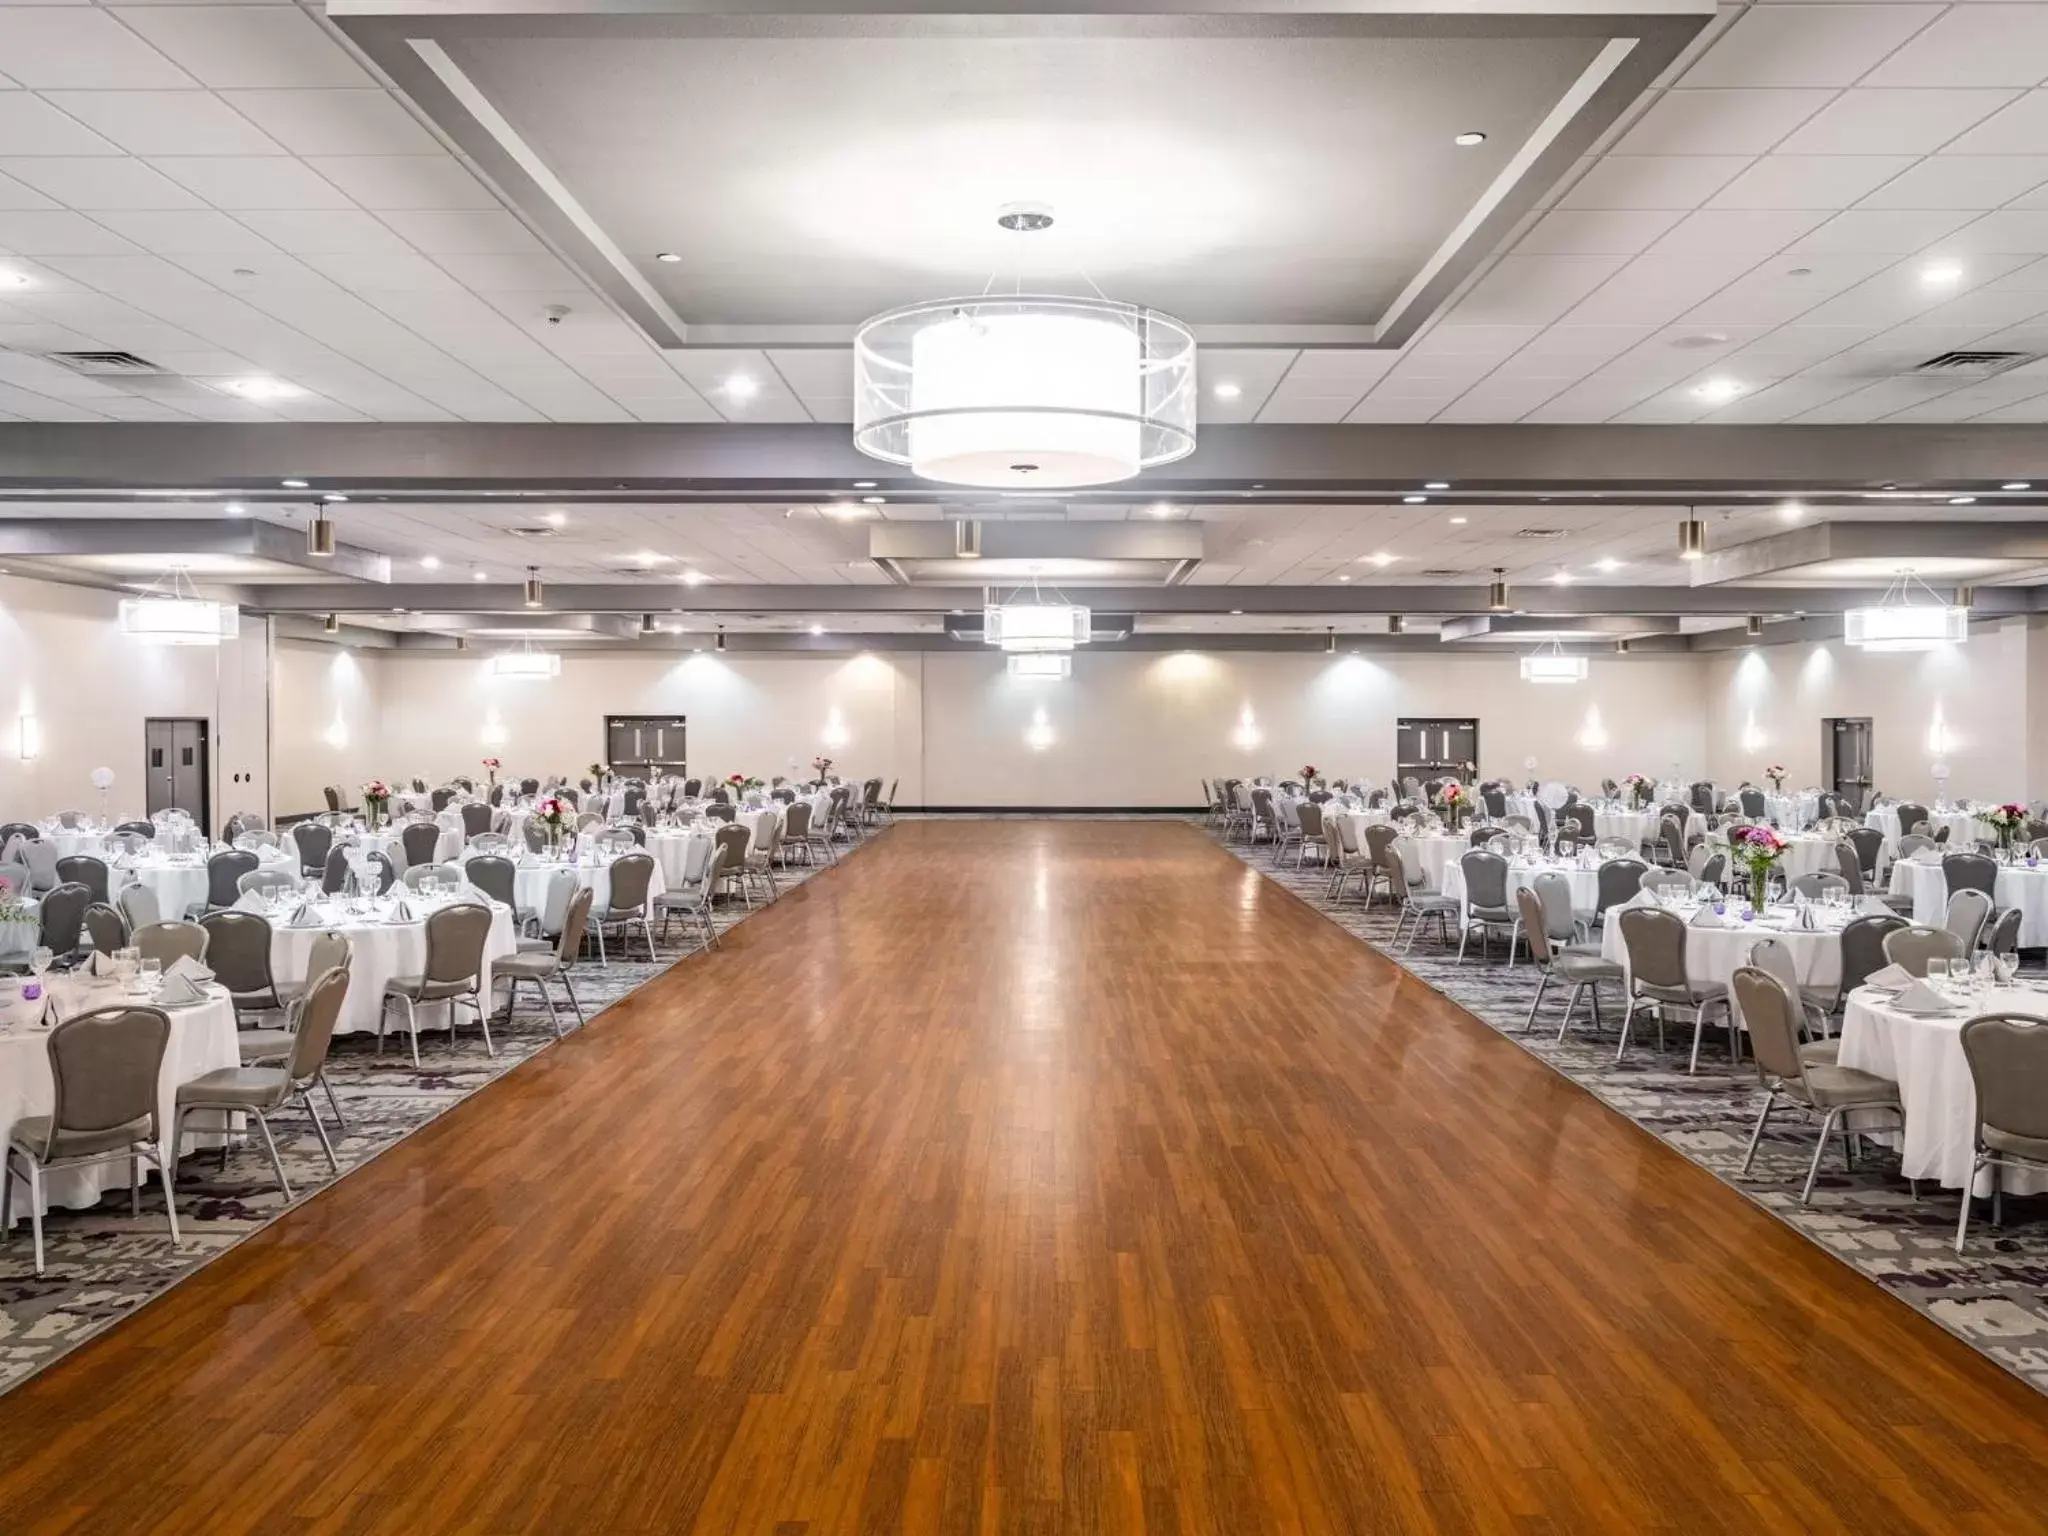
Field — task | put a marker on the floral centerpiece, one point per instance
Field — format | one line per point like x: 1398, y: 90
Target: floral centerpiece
x: 1309, y: 775
x: 552, y: 812
x: 1758, y: 850
x: 2006, y: 820
x: 1456, y: 800
x: 599, y: 773
x: 376, y: 803
x: 491, y: 767
x: 19, y: 926
x: 1776, y: 774
x: 820, y: 767
x: 1640, y: 790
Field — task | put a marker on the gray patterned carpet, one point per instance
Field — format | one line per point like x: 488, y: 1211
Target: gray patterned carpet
x: 1994, y: 1297
x: 102, y: 1264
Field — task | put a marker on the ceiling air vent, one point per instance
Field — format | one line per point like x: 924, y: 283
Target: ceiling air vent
x: 538, y: 531
x: 1539, y: 533
x: 1440, y: 574
x: 103, y: 363
x: 1975, y: 365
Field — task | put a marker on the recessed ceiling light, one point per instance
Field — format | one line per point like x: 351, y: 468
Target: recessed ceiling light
x: 1161, y: 509
x: 1561, y: 579
x: 1962, y: 501
x: 1459, y: 522
x: 1717, y: 391
x: 556, y: 519
x: 646, y: 558
x: 235, y: 509
x: 261, y: 389
x: 1227, y: 390
x: 1790, y: 511
x: 1469, y: 138
x: 2017, y: 485
x: 1607, y: 564
x: 668, y: 256
x: 478, y: 576
x: 741, y: 386
x: 430, y: 562
x: 1381, y: 558
x: 693, y: 578
x: 863, y: 485
x: 875, y: 501
x: 1941, y: 274
x: 817, y: 629
x: 1237, y: 613
x: 1414, y: 501
x: 9, y: 278
x: 1345, y: 577
x: 293, y: 485
x: 1436, y: 485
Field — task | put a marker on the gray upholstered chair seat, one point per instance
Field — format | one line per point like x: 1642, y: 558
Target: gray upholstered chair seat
x: 263, y: 1044
x: 534, y: 964
x: 32, y: 1131
x: 419, y: 990
x: 234, y: 1085
x: 1821, y: 1052
x: 1833, y: 1086
x: 2013, y: 1144
x: 1690, y: 995
x: 532, y: 946
x: 1578, y: 965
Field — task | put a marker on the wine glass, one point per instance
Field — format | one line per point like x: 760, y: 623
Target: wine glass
x: 151, y: 969
x: 40, y: 959
x: 1937, y: 972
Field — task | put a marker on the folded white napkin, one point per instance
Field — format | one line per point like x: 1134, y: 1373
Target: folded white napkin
x: 1921, y: 998
x: 185, y: 968
x: 1925, y: 856
x: 102, y: 964
x: 248, y: 901
x: 1707, y: 917
x: 1891, y: 976
x: 401, y: 912
x: 179, y: 992
x: 305, y: 915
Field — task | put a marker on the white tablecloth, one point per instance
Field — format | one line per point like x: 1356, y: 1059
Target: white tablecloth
x: 202, y: 1039
x: 1435, y: 852
x: 1964, y: 829
x: 1640, y: 827
x: 1715, y: 954
x: 2016, y: 886
x: 530, y: 883
x: 1585, y: 884
x: 380, y: 951
x: 1803, y: 856
x: 1924, y: 1056
x: 180, y: 886
x: 446, y: 846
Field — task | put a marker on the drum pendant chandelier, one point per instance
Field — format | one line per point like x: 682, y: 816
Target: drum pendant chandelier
x: 1024, y: 391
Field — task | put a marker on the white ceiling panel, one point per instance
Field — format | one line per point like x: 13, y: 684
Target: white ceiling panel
x: 1252, y: 371
x: 237, y: 183
x: 166, y: 122
x: 182, y: 232
x: 1973, y: 45
x: 1711, y: 122
x: 54, y: 48
x: 1654, y: 181
x: 29, y: 125
x: 58, y: 233
x: 334, y: 232
x: 1534, y: 289
x: 2020, y: 129
x: 1652, y: 290
x: 343, y: 122
x: 1893, y: 122
x: 1952, y: 181
x: 458, y: 231
x: 1809, y: 181
x: 383, y: 182
x: 1749, y: 232
x: 1882, y: 231
x: 90, y: 184
x: 1596, y: 231
x: 1792, y: 45
x: 228, y: 46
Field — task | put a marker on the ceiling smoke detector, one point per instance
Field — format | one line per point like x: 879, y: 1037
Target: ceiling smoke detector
x: 1024, y: 218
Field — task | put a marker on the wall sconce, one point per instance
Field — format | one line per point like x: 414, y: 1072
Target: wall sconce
x: 31, y: 737
x: 1038, y: 735
x: 336, y: 734
x: 1592, y: 735
x: 1753, y: 740
x: 1247, y: 736
x: 494, y: 733
x: 835, y: 733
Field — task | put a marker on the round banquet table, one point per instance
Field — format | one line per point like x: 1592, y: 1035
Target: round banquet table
x: 1964, y: 829
x: 1585, y: 884
x: 1715, y: 954
x: 202, y: 1039
x: 1637, y: 826
x: 1791, y: 811
x: 1924, y: 1056
x: 1807, y: 856
x: 530, y: 881
x: 2016, y: 885
x: 380, y: 950
x: 446, y: 847
x: 1434, y: 854
x: 180, y: 885
x: 680, y: 853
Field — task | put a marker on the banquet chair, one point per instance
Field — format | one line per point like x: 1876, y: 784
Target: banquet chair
x: 1581, y: 819
x: 253, y: 1090
x: 267, y: 882
x: 1863, y: 947
x: 1970, y: 872
x: 2002, y: 938
x: 1585, y: 971
x: 28, y: 831
x: 1817, y: 885
x: 69, y: 820
x: 476, y: 820
x: 1813, y: 1005
x: 327, y: 951
x: 796, y: 831
x: 2007, y: 1054
x: 168, y: 943
x: 529, y: 787
x: 387, y: 872
x: 1348, y: 858
x: 496, y: 876
x: 1264, y: 818
x: 1869, y: 845
x: 255, y: 842
x: 41, y: 859
x: 692, y: 788
x: 560, y: 890
x: 439, y: 799
x: 452, y: 973
x: 420, y: 840
x: 1655, y: 940
x: 1416, y: 905
x: 104, y: 1070
x: 1671, y: 841
x: 224, y: 873
x: 1675, y: 881
x: 488, y: 842
x: 616, y: 838
x: 238, y: 951
x: 1912, y: 818
x: 734, y: 842
x: 105, y: 927
x: 1968, y: 911
x: 692, y: 898
x: 1752, y: 802
x: 334, y: 873
x: 628, y: 902
x: 533, y: 834
x: 1486, y: 902
x: 550, y: 962
x: 141, y: 829
x: 139, y: 907
x: 585, y: 820
x: 313, y: 843
x: 1561, y: 920
x: 1910, y: 946
x: 1379, y: 837
x: 1851, y: 867
x: 813, y: 839
x: 635, y: 798
x: 725, y: 810
x: 62, y: 919
x: 1311, y: 834
x: 1784, y: 1073
x: 450, y: 875
x: 332, y: 793
x: 85, y: 870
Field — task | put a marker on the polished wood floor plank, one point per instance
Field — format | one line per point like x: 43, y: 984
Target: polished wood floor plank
x: 1018, y: 1177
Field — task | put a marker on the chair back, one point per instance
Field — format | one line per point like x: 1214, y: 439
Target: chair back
x: 1863, y: 947
x: 1817, y: 885
x: 419, y: 874
x: 1655, y: 941
x: 1529, y: 907
x: 1554, y: 892
x: 63, y: 917
x: 106, y: 927
x: 318, y: 1011
x: 1752, y: 803
x: 1673, y: 880
x: 476, y: 820
x: 734, y: 841
x: 439, y: 799
x: 1911, y: 946
x: 419, y: 841
x: 1911, y: 817
x: 86, y: 870
x: 1970, y: 872
x: 224, y: 873
x: 1310, y: 816
x: 1618, y: 881
x: 455, y: 942
x: 1772, y: 1014
x: 313, y: 842
x: 1772, y: 955
x: 2004, y: 937
x: 1486, y: 879
x: 1968, y: 911
x: 1868, y: 843
x: 387, y: 872
x: 2008, y: 1058
x: 1851, y: 865
x: 575, y: 920
x: 535, y: 834
x: 554, y: 907
x: 329, y: 951
x: 104, y: 1068
x: 139, y: 907
x: 238, y: 950
x: 632, y: 875
x: 796, y: 821
x: 27, y: 831
x: 494, y: 875
x: 265, y: 881
x: 168, y: 943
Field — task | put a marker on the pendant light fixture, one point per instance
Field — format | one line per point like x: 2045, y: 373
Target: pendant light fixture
x: 170, y: 611
x: 1497, y: 593
x: 331, y: 624
x: 1909, y: 617
x: 526, y: 665
x: 967, y: 540
x: 1692, y: 539
x: 320, y: 535
x: 1754, y: 626
x: 1016, y: 390
x: 1550, y: 664
x: 1036, y: 625
x: 535, y: 594
x: 1394, y: 623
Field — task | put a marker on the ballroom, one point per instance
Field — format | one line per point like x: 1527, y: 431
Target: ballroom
x: 812, y: 766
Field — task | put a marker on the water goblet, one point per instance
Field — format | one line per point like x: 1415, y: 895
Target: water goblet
x: 1937, y: 972
x: 40, y: 959
x: 151, y: 971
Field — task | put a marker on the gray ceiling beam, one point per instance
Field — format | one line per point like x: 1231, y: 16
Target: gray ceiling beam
x: 49, y: 538
x: 1935, y: 538
x: 427, y: 461
x: 475, y: 598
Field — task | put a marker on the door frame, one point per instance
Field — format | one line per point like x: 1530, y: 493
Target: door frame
x: 1831, y: 768
x: 204, y: 815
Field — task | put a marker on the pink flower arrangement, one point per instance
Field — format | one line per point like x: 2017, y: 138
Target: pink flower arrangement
x: 552, y: 812
x: 493, y: 764
x: 821, y: 766
x: 2006, y: 820
x: 1454, y: 794
x: 1776, y: 774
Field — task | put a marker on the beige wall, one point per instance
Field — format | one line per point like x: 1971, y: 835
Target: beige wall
x: 327, y: 722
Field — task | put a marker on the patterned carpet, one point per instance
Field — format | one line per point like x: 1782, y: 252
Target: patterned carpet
x: 1994, y: 1297
x: 102, y: 1264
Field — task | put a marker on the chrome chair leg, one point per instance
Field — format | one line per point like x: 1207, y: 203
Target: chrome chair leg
x: 270, y: 1146
x: 320, y: 1130
x: 1820, y: 1146
x: 1757, y: 1135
